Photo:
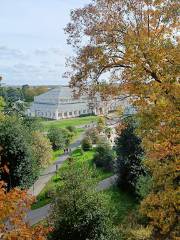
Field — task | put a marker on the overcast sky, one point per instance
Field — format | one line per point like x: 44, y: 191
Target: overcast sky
x: 32, y: 41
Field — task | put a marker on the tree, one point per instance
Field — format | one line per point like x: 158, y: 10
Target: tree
x: 13, y: 207
x: 42, y: 149
x: 2, y: 103
x: 59, y: 138
x: 129, y: 157
x: 86, y: 144
x: 93, y: 134
x: 79, y: 212
x: 71, y: 129
x: 104, y: 156
x: 30, y: 92
x: 101, y: 124
x: 16, y: 154
x: 137, y: 43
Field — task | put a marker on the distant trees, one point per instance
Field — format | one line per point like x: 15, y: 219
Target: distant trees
x: 30, y: 92
x: 129, y: 157
x: 59, y: 137
x: 79, y: 211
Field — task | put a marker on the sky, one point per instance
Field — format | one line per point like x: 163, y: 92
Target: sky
x: 33, y: 45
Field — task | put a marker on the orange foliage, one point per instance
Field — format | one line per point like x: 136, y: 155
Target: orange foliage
x: 13, y: 208
x: 136, y: 41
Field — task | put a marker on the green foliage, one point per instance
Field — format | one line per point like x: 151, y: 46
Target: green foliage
x: 129, y: 157
x: 120, y: 204
x: 86, y: 144
x: 59, y: 138
x: 2, y: 103
x: 71, y: 128
x: 81, y: 158
x: 42, y: 149
x: 30, y: 92
x: 11, y: 94
x: 33, y: 124
x: 101, y: 124
x: 144, y: 185
x: 17, y: 159
x: 93, y: 134
x: 79, y: 211
x: 104, y: 156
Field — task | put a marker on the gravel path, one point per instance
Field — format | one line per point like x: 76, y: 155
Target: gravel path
x: 34, y: 216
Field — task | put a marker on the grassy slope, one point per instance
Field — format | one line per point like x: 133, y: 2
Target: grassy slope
x: 85, y: 158
x: 120, y: 204
x: 69, y: 122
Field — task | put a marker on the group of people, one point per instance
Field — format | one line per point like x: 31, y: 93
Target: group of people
x: 67, y: 150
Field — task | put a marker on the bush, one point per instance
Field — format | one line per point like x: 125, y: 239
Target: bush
x: 86, y: 144
x: 129, y: 157
x: 71, y: 129
x: 59, y: 138
x: 101, y: 124
x: 93, y: 134
x: 104, y: 157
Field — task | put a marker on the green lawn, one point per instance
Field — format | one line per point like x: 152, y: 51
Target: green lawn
x: 86, y: 158
x: 68, y: 122
x: 120, y: 204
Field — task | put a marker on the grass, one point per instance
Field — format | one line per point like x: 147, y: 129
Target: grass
x: 57, y: 153
x: 120, y: 204
x: 80, y: 158
x: 68, y: 122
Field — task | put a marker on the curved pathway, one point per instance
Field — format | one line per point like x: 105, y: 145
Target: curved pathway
x: 34, y: 216
x: 48, y: 173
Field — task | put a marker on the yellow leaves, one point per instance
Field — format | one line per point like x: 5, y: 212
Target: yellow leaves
x: 13, y: 208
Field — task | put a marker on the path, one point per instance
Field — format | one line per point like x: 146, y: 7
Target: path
x: 51, y: 170
x: 34, y: 216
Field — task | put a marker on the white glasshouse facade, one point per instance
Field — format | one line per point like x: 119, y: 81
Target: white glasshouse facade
x: 59, y: 103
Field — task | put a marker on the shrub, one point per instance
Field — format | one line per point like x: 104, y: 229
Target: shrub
x: 86, y: 144
x: 104, y: 156
x: 71, y: 129
x: 101, y: 124
x: 93, y: 134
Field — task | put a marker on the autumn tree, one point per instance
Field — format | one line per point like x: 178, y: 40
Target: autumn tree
x: 135, y: 43
x: 13, y: 208
x: 42, y: 149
